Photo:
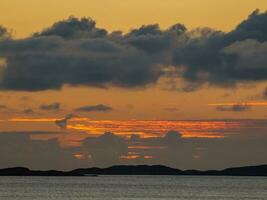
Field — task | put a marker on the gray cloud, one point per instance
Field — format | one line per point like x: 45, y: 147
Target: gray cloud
x: 64, y: 54
x: 265, y: 93
x: 77, y: 52
x: 106, y: 149
x: 50, y: 107
x: 74, y: 28
x: 62, y: 123
x: 225, y: 59
x: 17, y: 149
x: 4, y: 34
x: 2, y: 107
x: 95, y: 108
x: 234, y: 108
x: 29, y: 111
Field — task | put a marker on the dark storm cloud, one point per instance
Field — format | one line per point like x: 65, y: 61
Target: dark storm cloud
x: 77, y: 52
x: 234, y: 108
x: 50, y: 107
x: 95, y: 108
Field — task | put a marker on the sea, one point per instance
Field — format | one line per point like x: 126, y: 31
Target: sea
x: 133, y: 188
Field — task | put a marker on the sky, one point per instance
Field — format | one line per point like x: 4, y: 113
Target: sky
x: 98, y: 83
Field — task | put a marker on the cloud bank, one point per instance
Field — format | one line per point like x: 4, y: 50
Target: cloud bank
x: 77, y: 52
x: 19, y: 149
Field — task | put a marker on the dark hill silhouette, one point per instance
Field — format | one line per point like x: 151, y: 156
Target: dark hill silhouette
x: 138, y: 170
x: 131, y: 170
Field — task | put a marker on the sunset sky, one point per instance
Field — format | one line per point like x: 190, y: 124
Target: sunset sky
x: 87, y: 83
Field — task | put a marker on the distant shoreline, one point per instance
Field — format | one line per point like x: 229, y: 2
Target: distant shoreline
x: 260, y: 170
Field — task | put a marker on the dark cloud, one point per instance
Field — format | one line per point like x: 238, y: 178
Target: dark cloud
x: 224, y: 59
x: 73, y: 28
x: 2, y: 107
x: 252, y: 28
x: 77, y: 52
x: 265, y: 93
x: 17, y: 149
x: 152, y: 39
x: 74, y: 60
x: 234, y: 108
x: 105, y: 149
x: 202, y: 153
x: 29, y: 111
x: 62, y: 123
x: 173, y: 136
x: 4, y: 34
x: 95, y: 108
x: 50, y: 107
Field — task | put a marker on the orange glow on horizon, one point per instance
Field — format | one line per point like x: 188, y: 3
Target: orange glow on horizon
x: 33, y: 119
x: 147, y: 147
x: 142, y: 128
x: 154, y: 128
x: 133, y: 157
x: 74, y: 119
x: 78, y: 130
x: 129, y: 157
x: 148, y: 157
x: 79, y: 156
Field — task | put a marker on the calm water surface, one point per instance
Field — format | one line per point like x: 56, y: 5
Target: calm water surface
x: 133, y: 188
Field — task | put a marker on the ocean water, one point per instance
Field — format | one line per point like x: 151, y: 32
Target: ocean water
x: 133, y: 188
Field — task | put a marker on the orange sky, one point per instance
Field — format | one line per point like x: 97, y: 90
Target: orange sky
x: 157, y: 123
x: 28, y: 16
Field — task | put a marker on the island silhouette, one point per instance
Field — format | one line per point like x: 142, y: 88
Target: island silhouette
x: 260, y: 170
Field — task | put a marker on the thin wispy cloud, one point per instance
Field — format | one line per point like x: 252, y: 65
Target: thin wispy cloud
x: 237, y: 106
x: 94, y: 108
x: 239, y: 103
x: 234, y: 108
x: 50, y: 107
x: 29, y: 111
